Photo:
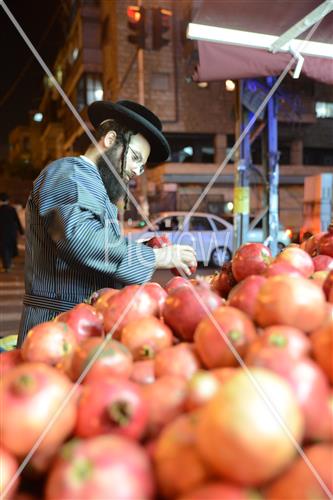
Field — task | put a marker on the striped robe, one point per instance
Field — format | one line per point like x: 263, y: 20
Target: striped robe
x: 73, y: 243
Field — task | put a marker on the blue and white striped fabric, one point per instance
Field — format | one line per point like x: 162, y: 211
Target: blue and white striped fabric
x: 73, y: 243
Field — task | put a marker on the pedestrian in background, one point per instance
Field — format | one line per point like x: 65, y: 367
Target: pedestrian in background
x: 10, y: 225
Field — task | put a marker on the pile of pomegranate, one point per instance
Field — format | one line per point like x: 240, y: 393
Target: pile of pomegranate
x: 206, y: 389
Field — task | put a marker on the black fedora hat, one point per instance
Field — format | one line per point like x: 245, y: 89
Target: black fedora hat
x: 137, y: 118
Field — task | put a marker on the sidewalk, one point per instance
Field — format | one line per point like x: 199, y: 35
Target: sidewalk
x: 11, y: 294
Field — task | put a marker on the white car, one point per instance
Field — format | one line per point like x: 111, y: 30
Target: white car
x: 210, y: 235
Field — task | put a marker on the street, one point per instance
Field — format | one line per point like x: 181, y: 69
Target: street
x: 12, y: 290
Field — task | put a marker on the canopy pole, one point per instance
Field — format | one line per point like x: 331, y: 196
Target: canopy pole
x: 273, y: 171
x: 241, y: 175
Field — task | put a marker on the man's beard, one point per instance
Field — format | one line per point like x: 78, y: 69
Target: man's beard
x: 113, y: 188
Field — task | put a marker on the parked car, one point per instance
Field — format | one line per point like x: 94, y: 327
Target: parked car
x: 210, y: 235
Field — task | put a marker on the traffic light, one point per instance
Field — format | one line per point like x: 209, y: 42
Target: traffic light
x: 161, y: 25
x: 136, y: 22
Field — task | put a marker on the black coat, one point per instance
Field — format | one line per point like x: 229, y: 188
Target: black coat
x: 10, y: 225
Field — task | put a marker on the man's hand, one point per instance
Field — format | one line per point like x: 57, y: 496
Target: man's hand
x: 180, y: 256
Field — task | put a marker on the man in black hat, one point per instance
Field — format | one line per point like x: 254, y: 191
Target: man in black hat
x: 73, y: 240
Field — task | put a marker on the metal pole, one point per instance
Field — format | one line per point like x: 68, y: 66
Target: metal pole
x: 241, y: 177
x: 273, y: 170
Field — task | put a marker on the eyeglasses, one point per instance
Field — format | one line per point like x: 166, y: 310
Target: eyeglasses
x: 138, y: 160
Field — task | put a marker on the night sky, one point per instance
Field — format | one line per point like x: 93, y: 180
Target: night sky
x: 21, y: 81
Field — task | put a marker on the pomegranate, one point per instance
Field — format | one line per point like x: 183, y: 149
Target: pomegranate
x: 311, y: 244
x: 180, y: 360
x: 51, y: 343
x: 111, y: 406
x: 158, y: 294
x: 214, y: 336
x: 113, y: 359
x: 299, y: 480
x: 224, y: 281
x: 325, y: 245
x: 185, y: 307
x: 8, y: 467
x: 9, y: 359
x: 224, y: 374
x: 176, y: 282
x: 286, y: 300
x: 290, y: 340
x: 101, y: 467
x: 322, y: 263
x: 129, y: 304
x: 237, y: 422
x: 219, y: 490
x: 94, y: 297
x: 308, y: 383
x: 145, y: 337
x: 243, y: 295
x: 322, y: 346
x: 84, y: 320
x: 328, y: 287
x: 251, y: 258
x: 101, y: 303
x: 32, y: 393
x: 176, y: 451
x: 281, y: 267
x: 319, y: 278
x: 165, y: 399
x: 297, y: 258
x: 143, y: 372
x: 202, y: 386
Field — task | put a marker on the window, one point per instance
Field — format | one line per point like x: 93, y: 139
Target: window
x: 324, y: 109
x: 88, y: 90
x: 191, y: 148
x: 200, y: 224
x: 174, y: 223
x: 219, y: 225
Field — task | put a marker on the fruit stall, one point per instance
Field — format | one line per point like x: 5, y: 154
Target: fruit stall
x: 209, y: 388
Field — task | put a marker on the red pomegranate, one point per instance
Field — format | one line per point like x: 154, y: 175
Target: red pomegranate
x: 218, y: 490
x: 101, y: 303
x: 279, y: 267
x: 286, y: 338
x: 165, y: 399
x: 319, y: 278
x: 224, y: 281
x: 176, y: 451
x: 9, y: 359
x: 8, y: 468
x: 299, y: 481
x: 311, y: 244
x: 202, y: 386
x: 214, y: 336
x: 243, y: 296
x: 251, y: 258
x: 231, y: 426
x: 100, y: 358
x: 322, y: 263
x: 186, y: 306
x: 325, y: 245
x: 146, y: 337
x: 111, y: 406
x: 101, y: 467
x: 322, y: 347
x: 143, y: 372
x: 52, y: 343
x: 286, y: 300
x: 129, y: 304
x: 102, y: 292
x: 84, y: 320
x: 224, y: 374
x: 32, y: 393
x: 297, y: 258
x: 180, y: 360
x: 328, y: 287
x: 158, y: 294
x: 176, y: 282
x: 308, y: 383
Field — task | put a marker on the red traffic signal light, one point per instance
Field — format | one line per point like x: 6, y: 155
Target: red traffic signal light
x: 136, y: 22
x: 161, y: 25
